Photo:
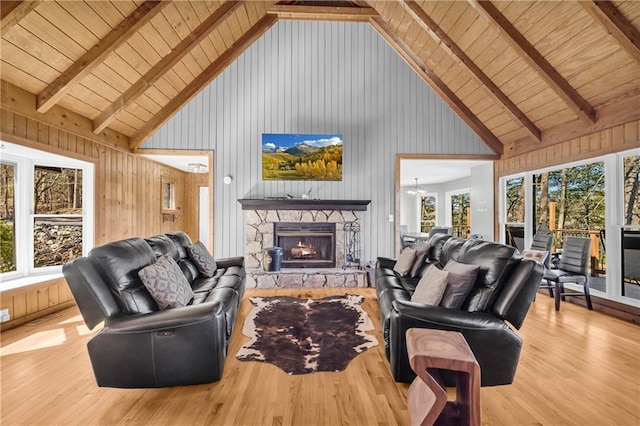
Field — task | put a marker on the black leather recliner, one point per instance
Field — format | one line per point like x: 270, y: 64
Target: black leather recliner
x: 139, y: 345
x: 503, y: 292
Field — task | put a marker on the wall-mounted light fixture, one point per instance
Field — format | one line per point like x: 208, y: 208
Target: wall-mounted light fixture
x: 227, y: 179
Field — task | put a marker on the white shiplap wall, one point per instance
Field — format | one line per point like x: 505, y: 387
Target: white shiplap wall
x: 316, y: 77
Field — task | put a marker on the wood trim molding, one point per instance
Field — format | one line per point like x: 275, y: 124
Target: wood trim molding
x: 430, y: 26
x: 158, y: 70
x: 208, y: 75
x: 535, y: 60
x: 436, y: 84
x: 616, y: 25
x: 19, y: 101
x: 322, y: 13
x: 96, y: 55
x: 13, y: 12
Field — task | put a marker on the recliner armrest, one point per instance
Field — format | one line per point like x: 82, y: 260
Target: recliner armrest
x: 386, y: 262
x: 230, y: 261
x: 168, y: 318
x: 446, y: 318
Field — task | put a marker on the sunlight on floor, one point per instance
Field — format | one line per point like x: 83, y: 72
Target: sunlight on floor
x: 39, y: 340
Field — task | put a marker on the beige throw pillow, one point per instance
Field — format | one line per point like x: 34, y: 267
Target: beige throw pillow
x: 405, y: 262
x: 431, y: 286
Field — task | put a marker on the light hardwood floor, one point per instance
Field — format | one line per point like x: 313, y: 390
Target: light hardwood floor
x: 577, y: 367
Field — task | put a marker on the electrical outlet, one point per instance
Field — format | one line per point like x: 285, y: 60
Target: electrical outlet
x: 4, y: 315
x: 390, y: 218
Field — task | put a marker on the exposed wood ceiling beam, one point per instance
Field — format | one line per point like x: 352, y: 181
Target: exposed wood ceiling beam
x: 322, y: 13
x: 623, y: 31
x: 436, y: 84
x: 431, y: 27
x: 13, y: 11
x: 180, y: 51
x: 97, y: 54
x: 208, y: 75
x: 610, y: 115
x: 19, y: 101
x: 535, y: 60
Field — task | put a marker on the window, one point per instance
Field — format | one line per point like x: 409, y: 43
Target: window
x: 459, y: 212
x: 46, y: 205
x: 168, y: 195
x: 596, y: 199
x: 57, y: 219
x: 7, y: 218
x: 631, y: 177
x: 428, y: 210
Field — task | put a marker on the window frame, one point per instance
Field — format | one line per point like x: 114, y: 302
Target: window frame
x: 614, y: 215
x: 25, y: 159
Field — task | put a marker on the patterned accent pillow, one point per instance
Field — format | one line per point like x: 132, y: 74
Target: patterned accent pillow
x: 166, y: 283
x: 203, y: 260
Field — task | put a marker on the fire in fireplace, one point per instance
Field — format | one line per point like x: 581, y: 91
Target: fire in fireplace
x: 306, y: 244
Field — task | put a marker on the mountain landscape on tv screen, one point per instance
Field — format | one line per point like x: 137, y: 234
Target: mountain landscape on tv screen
x: 301, y: 157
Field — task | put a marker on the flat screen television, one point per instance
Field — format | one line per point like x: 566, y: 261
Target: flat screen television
x: 301, y: 156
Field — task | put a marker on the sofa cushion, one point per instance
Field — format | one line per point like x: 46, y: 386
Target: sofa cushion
x: 460, y: 282
x: 405, y: 262
x: 496, y: 263
x: 451, y: 249
x: 437, y: 241
x: 161, y: 245
x: 202, y: 258
x: 166, y: 283
x: 118, y: 264
x: 431, y: 286
x: 422, y: 251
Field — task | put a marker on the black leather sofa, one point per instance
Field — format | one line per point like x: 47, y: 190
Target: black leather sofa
x: 139, y: 345
x: 503, y: 292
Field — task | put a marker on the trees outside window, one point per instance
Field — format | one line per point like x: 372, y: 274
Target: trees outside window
x: 57, y: 219
x: 515, y: 200
x: 631, y: 177
x: 460, y: 214
x: 428, y: 213
x: 46, y: 212
x: 7, y: 218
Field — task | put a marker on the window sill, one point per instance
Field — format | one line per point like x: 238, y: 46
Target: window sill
x: 12, y: 284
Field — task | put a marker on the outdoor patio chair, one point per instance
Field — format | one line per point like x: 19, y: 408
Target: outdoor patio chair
x: 572, y: 268
x: 544, y: 242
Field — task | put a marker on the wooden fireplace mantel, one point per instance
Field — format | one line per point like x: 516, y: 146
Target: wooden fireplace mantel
x: 302, y: 204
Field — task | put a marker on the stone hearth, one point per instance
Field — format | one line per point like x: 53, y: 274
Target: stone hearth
x: 307, y: 278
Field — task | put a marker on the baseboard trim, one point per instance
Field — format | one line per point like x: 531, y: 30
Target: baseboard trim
x: 31, y: 317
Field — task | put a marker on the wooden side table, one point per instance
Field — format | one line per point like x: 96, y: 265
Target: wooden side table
x: 427, y: 399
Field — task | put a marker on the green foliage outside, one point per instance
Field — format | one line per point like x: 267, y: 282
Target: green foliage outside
x: 428, y: 213
x: 324, y: 164
x: 7, y: 254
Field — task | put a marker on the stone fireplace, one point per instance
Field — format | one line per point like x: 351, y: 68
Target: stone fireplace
x: 297, y: 218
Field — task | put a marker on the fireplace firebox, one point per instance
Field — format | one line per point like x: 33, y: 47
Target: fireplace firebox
x: 306, y: 244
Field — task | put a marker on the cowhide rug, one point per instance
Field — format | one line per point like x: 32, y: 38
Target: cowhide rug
x: 303, y: 336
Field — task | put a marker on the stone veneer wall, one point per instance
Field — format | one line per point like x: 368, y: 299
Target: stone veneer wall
x: 259, y: 229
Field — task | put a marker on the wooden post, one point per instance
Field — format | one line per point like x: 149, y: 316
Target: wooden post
x: 552, y: 215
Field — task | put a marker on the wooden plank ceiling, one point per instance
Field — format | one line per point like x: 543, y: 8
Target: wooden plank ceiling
x: 520, y: 73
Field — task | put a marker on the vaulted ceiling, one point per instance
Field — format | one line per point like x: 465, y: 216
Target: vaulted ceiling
x: 521, y: 74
